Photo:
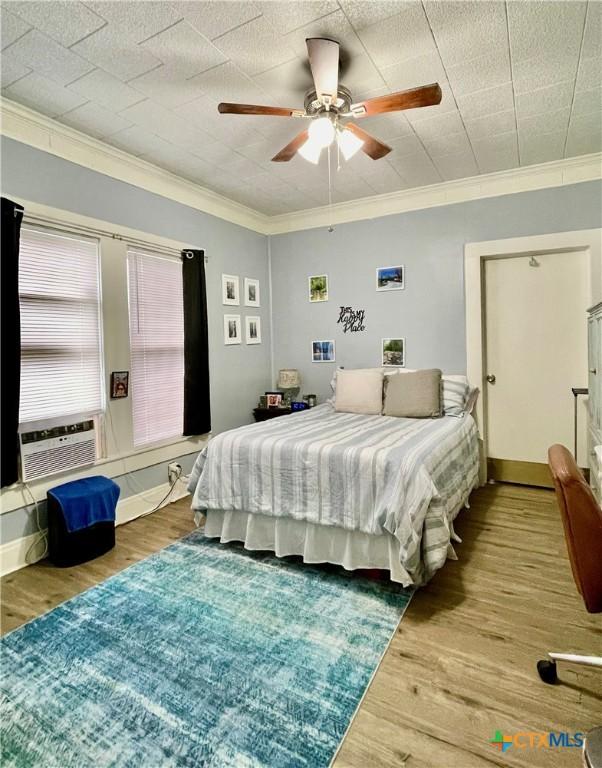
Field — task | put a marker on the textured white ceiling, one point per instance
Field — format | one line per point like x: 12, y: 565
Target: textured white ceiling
x: 521, y: 80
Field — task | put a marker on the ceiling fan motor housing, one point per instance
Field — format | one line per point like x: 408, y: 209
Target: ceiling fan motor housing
x: 314, y: 105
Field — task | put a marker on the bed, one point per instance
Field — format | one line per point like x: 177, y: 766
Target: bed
x: 356, y: 490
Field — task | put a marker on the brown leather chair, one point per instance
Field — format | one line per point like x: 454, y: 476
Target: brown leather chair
x: 582, y: 520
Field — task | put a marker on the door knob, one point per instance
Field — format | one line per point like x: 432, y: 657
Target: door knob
x: 491, y: 378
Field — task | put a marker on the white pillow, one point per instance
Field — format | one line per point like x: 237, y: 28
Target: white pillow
x: 359, y: 391
x: 455, y: 394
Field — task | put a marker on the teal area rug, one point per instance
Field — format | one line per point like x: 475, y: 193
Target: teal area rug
x: 201, y: 655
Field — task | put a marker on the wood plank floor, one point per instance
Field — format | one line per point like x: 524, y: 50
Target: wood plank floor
x: 462, y: 662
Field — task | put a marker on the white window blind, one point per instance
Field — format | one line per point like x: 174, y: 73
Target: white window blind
x: 59, y: 291
x: 156, y: 346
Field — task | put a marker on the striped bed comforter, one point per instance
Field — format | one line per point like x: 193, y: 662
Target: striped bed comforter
x: 375, y: 474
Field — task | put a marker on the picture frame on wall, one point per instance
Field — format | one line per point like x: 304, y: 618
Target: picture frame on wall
x: 318, y: 288
x: 323, y: 351
x: 232, y: 331
x: 253, y: 329
x: 230, y: 290
x: 252, y: 292
x: 119, y: 384
x: 393, y: 352
x: 391, y: 278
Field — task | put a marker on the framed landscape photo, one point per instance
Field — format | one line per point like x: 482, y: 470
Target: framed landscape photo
x: 230, y: 290
x: 251, y: 292
x: 318, y: 288
x: 322, y: 351
x: 232, y: 332
x: 394, y: 352
x: 253, y: 329
x: 390, y: 278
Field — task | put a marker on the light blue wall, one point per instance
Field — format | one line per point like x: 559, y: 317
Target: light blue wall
x: 429, y: 313
x: 239, y: 374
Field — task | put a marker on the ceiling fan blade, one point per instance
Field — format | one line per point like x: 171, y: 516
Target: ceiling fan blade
x: 324, y: 62
x: 371, y: 146
x: 425, y: 96
x: 226, y: 108
x: 288, y: 152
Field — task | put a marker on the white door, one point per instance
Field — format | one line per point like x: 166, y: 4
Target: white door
x: 536, y: 348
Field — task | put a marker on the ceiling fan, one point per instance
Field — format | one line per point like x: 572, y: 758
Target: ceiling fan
x: 330, y: 108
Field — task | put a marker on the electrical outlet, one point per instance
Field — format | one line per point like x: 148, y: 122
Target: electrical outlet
x: 174, y: 471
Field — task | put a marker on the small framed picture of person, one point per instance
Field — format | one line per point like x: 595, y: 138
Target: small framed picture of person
x: 119, y: 384
x: 274, y: 399
x: 232, y: 334
x: 230, y: 290
x: 251, y: 292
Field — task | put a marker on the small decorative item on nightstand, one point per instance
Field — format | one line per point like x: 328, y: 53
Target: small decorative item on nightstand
x: 298, y: 405
x: 311, y: 400
x: 274, y: 399
x: 289, y: 382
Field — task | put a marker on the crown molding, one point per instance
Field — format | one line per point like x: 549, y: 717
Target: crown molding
x: 553, y: 174
x: 36, y: 130
x: 32, y: 128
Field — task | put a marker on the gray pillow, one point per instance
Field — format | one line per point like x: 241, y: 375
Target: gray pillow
x: 414, y: 395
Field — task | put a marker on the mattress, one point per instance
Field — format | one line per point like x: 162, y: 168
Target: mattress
x: 376, y: 475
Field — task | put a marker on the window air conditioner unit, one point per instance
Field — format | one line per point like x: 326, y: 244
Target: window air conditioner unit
x: 57, y: 449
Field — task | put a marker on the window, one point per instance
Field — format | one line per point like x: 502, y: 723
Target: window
x: 156, y: 346
x: 61, y: 348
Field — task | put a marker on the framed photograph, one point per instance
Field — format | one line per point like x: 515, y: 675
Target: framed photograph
x: 232, y: 332
x: 322, y: 351
x: 390, y: 278
x: 251, y: 292
x: 253, y: 328
x: 318, y: 288
x: 119, y: 384
x: 274, y: 399
x: 394, y: 352
x: 230, y: 290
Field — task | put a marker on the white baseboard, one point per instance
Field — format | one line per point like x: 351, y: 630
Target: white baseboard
x: 141, y: 503
x: 15, y: 555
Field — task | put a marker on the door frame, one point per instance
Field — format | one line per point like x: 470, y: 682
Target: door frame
x: 475, y: 256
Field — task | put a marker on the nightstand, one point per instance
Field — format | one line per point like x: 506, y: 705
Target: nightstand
x: 263, y: 414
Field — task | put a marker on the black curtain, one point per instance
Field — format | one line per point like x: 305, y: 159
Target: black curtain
x: 12, y: 215
x: 197, y: 411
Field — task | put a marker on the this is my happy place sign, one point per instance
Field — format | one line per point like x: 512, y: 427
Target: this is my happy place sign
x: 352, y: 319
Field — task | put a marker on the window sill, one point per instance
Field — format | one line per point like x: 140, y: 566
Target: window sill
x: 15, y: 496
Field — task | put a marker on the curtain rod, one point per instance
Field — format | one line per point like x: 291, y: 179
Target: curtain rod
x: 59, y: 224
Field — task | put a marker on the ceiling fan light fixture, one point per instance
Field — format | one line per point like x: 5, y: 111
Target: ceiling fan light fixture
x: 349, y: 143
x: 310, y: 151
x: 321, y: 131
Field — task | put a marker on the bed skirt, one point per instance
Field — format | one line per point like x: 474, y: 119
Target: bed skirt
x: 314, y: 543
